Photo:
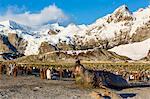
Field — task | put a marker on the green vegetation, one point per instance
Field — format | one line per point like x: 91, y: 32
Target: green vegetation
x: 100, y: 65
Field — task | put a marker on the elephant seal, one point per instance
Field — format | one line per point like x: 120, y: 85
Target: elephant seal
x: 98, y: 78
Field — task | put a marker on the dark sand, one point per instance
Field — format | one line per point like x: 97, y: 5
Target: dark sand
x: 31, y: 87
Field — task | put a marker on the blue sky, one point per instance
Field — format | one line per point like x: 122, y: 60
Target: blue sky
x: 76, y: 11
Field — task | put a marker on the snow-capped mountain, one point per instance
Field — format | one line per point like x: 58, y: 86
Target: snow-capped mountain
x: 14, y: 26
x: 119, y: 28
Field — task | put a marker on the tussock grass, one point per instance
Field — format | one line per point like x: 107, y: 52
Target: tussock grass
x: 101, y: 65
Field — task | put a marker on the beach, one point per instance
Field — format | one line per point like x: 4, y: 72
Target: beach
x: 31, y: 87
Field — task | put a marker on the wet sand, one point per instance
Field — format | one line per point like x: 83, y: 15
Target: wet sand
x: 31, y: 87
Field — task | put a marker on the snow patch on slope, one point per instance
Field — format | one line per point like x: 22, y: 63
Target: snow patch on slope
x: 134, y: 51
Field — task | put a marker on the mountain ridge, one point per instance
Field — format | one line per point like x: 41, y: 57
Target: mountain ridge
x: 119, y: 28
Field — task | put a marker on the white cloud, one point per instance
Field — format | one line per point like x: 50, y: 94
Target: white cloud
x: 49, y: 14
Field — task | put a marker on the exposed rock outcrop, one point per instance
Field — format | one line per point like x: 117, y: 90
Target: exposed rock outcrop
x: 52, y: 32
x: 143, y: 33
x: 12, y: 46
x: 65, y: 47
x: 3, y: 47
x: 17, y: 42
x: 121, y: 14
x: 46, y: 47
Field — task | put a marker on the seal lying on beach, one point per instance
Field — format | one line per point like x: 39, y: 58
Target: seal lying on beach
x: 98, y: 78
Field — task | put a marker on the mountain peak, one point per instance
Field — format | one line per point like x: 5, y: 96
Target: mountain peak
x: 7, y: 23
x: 13, y: 25
x: 123, y: 9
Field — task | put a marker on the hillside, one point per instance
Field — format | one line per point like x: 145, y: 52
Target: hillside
x: 96, y: 54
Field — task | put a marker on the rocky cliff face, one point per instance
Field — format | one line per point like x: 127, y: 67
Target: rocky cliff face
x: 17, y: 42
x: 142, y: 33
x: 3, y: 46
x: 12, y: 44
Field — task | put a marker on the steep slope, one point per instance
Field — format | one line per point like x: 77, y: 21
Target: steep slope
x: 3, y: 46
x: 11, y: 46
